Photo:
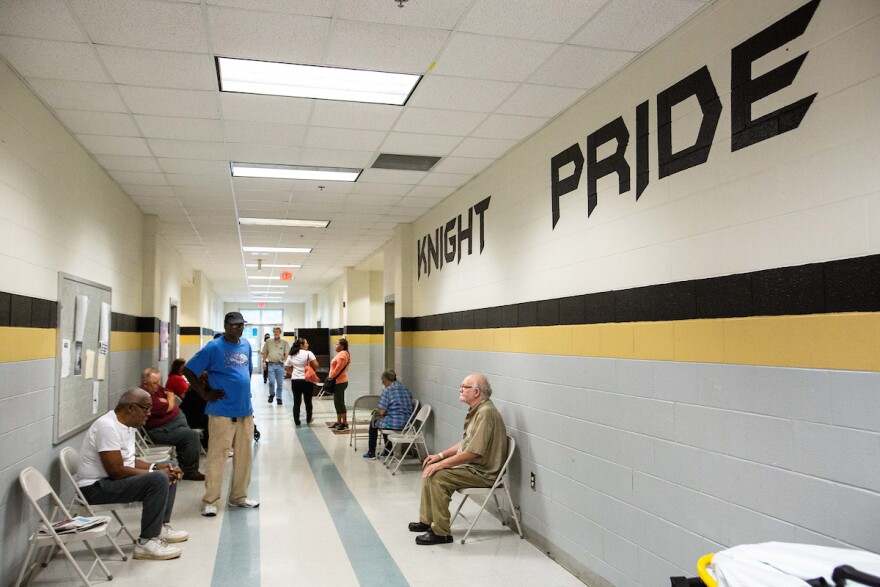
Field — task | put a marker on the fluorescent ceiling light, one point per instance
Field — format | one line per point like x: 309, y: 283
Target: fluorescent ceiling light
x: 268, y: 266
x: 276, y: 250
x: 295, y: 172
x: 269, y: 287
x: 285, y: 222
x: 262, y: 277
x: 313, y: 81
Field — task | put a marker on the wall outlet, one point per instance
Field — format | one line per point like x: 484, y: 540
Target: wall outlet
x: 532, y: 480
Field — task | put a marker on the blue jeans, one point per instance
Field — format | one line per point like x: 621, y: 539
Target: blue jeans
x: 177, y: 433
x: 153, y: 489
x: 276, y: 379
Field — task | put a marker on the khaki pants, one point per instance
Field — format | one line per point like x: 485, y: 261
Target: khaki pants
x: 437, y: 492
x: 223, y: 435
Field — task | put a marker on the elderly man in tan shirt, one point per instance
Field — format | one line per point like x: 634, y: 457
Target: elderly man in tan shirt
x: 473, y: 462
x: 274, y: 353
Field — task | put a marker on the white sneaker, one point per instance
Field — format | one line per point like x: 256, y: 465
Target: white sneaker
x: 244, y: 503
x: 170, y: 535
x: 209, y: 511
x: 155, y: 549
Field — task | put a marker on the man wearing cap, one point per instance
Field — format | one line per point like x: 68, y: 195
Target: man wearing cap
x: 228, y: 364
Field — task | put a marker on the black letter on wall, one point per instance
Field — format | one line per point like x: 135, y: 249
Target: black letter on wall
x: 560, y: 188
x: 697, y: 84
x: 642, y: 149
x: 449, y: 239
x: 465, y: 234
x: 479, y: 208
x: 745, y: 91
x: 422, y: 259
x: 616, y: 129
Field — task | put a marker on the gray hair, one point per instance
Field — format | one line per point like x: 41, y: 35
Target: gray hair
x: 130, y: 396
x: 389, y: 375
x: 483, y: 385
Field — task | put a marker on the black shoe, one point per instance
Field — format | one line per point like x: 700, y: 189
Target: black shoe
x: 430, y: 539
x: 279, y: 402
x: 296, y: 422
x: 309, y: 419
x: 271, y: 398
x: 419, y: 527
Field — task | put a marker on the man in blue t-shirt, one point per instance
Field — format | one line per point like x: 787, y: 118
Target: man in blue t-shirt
x: 227, y: 366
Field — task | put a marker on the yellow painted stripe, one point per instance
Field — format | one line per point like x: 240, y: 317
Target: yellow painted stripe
x: 364, y: 338
x: 131, y: 341
x: 821, y: 341
x: 191, y: 339
x: 26, y: 344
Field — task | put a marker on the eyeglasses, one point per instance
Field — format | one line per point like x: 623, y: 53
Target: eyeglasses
x: 468, y: 387
x: 146, y: 409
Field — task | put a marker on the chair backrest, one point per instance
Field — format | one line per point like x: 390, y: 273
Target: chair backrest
x: 367, y: 402
x: 421, y: 417
x: 412, y: 417
x: 36, y: 487
x: 70, y: 463
x: 502, y: 474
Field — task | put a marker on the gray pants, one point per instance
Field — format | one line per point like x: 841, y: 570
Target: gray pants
x: 177, y: 433
x: 153, y: 489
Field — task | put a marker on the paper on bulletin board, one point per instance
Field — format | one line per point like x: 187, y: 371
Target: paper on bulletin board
x: 104, y: 332
x: 102, y: 367
x: 96, y: 393
x: 79, y: 327
x: 90, y: 364
x: 65, y: 358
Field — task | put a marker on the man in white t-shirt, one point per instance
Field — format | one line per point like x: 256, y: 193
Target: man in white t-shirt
x: 110, y: 473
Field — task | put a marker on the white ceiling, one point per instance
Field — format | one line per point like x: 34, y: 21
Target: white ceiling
x: 135, y: 82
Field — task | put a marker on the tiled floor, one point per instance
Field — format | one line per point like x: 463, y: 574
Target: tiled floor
x: 327, y: 517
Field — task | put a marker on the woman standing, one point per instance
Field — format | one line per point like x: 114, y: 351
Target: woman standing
x: 339, y: 373
x: 300, y: 356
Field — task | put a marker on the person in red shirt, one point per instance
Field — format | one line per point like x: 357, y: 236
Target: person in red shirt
x: 167, y: 425
x: 176, y: 382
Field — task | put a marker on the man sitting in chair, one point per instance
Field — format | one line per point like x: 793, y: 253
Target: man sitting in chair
x: 473, y: 462
x: 394, y: 410
x: 110, y: 473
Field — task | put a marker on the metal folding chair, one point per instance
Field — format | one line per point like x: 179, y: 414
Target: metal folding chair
x: 361, y: 427
x: 501, y: 484
x: 406, y: 429
x: 36, y: 487
x: 70, y: 462
x: 414, y: 438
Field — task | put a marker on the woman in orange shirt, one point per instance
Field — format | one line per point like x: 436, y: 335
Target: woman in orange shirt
x: 339, y: 373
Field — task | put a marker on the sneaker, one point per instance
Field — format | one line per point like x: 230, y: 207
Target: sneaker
x: 170, y: 535
x: 271, y: 398
x: 341, y: 427
x: 209, y: 511
x: 370, y: 456
x: 309, y: 420
x: 384, y: 454
x: 155, y: 549
x: 279, y: 402
x: 244, y: 503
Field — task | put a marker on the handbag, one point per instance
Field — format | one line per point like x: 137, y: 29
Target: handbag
x: 310, y: 375
x: 329, y: 384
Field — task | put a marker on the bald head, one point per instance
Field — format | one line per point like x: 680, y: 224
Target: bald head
x: 133, y: 395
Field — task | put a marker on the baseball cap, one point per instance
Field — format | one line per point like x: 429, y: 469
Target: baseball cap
x: 234, y: 318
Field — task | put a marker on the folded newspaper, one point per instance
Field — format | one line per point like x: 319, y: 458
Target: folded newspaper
x: 77, y: 524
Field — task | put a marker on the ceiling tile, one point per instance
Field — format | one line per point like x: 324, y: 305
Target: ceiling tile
x: 424, y: 202
x: 336, y: 158
x: 218, y: 193
x: 635, y: 25
x: 382, y: 47
x: 475, y: 147
x: 143, y: 23
x: 167, y: 127
x: 120, y: 163
x: 462, y: 165
x: 453, y: 180
x: 500, y: 58
x: 471, y: 95
x: 340, y: 114
x: 170, y: 102
x: 307, y: 7
x: 213, y: 183
x: 380, y: 189
x: 195, y: 166
x: 264, y: 133
x: 438, y: 122
x: 391, y: 176
x: 149, y: 191
x: 251, y: 196
x: 78, y: 95
x: 245, y: 153
x: 378, y: 200
x: 98, y: 123
x: 52, y: 59
x: 412, y: 144
x: 138, y: 178
x: 265, y: 108
x: 338, y: 138
x: 581, y: 67
x: 163, y: 69
x: 526, y: 19
x: 104, y: 145
x: 187, y: 149
x: 45, y: 19
x: 430, y: 191
x: 288, y: 38
x: 435, y: 15
x: 535, y: 100
x: 515, y: 128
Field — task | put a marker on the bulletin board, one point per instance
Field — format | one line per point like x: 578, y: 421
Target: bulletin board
x: 82, y: 364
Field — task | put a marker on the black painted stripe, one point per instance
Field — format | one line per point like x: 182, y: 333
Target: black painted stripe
x: 364, y: 329
x: 27, y: 312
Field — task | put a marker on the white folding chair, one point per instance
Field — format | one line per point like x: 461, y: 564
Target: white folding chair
x: 414, y: 438
x: 406, y: 428
x: 361, y: 427
x: 70, y: 467
x: 149, y: 451
x: 36, y: 487
x: 501, y: 484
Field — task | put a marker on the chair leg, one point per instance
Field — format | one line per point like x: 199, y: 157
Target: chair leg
x: 124, y: 528
x: 513, y: 511
x: 403, y: 456
x: 24, y: 565
x: 458, y: 509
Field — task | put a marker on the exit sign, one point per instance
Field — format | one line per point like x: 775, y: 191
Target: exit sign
x: 286, y: 276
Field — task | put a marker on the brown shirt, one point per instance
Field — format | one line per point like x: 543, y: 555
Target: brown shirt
x: 485, y: 435
x: 276, y: 351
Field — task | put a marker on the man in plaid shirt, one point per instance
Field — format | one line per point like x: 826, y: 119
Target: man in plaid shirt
x: 394, y: 408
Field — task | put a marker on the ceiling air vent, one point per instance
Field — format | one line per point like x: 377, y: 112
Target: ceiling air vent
x: 405, y: 162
